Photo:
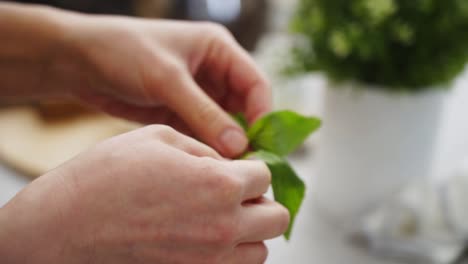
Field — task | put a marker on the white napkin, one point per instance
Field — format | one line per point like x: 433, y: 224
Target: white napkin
x: 425, y: 223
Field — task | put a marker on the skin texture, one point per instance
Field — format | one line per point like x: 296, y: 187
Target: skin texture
x: 152, y: 71
x: 149, y: 196
x: 153, y: 195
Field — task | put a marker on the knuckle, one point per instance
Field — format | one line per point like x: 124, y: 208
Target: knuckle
x: 213, y: 259
x: 231, y: 182
x: 211, y: 152
x: 168, y: 66
x: 216, y: 29
x: 208, y: 167
x: 230, y: 188
x: 224, y: 234
x: 262, y: 253
x: 225, y: 189
x: 162, y: 132
x: 173, y: 67
x: 206, y: 152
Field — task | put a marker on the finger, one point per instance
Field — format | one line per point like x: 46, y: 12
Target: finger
x: 233, y: 103
x: 140, y: 114
x: 118, y: 108
x: 216, y: 89
x: 206, y: 118
x: 230, y: 65
x: 197, y: 148
x: 245, y: 77
x: 252, y: 253
x: 255, y: 175
x: 216, y: 93
x: 263, y: 220
x: 184, y: 143
x: 178, y: 124
x: 227, y: 99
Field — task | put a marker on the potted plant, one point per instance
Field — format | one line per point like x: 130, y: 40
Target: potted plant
x: 389, y: 66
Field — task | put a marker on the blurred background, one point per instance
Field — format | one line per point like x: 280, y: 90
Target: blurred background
x: 387, y: 174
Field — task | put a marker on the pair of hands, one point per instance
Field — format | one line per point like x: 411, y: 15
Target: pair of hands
x: 152, y: 195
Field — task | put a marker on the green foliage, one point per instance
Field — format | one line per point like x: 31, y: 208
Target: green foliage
x: 281, y: 132
x: 398, y: 44
x: 288, y: 188
x: 271, y: 138
x: 241, y: 120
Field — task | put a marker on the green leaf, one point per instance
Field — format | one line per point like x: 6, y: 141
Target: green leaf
x: 288, y: 188
x: 241, y: 120
x: 281, y: 132
x: 273, y: 137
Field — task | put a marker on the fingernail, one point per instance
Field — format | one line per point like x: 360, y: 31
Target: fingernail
x: 234, y: 141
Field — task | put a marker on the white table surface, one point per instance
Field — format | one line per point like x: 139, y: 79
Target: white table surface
x: 314, y: 240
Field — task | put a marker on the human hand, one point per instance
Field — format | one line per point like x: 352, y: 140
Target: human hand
x: 148, y: 196
x: 183, y: 74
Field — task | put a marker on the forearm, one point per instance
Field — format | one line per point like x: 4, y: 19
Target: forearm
x: 31, y: 40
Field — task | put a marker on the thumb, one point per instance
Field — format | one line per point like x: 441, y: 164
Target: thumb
x: 205, y: 117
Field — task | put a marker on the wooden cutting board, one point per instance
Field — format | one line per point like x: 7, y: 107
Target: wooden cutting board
x: 33, y: 145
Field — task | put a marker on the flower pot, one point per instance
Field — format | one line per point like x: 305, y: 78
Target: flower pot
x: 372, y: 143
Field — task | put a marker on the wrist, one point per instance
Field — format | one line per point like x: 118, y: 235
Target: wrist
x: 60, y: 57
x: 34, y: 41
x: 65, y: 61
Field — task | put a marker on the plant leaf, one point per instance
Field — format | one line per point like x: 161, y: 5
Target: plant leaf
x: 241, y: 120
x: 281, y: 132
x: 273, y: 137
x: 288, y: 188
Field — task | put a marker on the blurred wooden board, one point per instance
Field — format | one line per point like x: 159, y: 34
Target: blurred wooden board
x: 33, y: 145
x: 152, y: 8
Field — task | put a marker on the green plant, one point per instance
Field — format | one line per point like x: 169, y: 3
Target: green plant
x: 397, y: 44
x: 271, y: 139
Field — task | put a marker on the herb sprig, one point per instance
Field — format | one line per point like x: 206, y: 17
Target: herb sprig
x: 272, y: 138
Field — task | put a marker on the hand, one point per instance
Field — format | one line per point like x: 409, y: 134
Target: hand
x: 182, y: 74
x: 148, y: 196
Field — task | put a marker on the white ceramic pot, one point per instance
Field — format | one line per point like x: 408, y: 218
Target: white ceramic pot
x: 372, y: 143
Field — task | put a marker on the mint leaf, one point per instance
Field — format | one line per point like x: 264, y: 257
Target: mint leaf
x: 273, y: 137
x: 281, y: 132
x: 241, y: 120
x: 288, y: 188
